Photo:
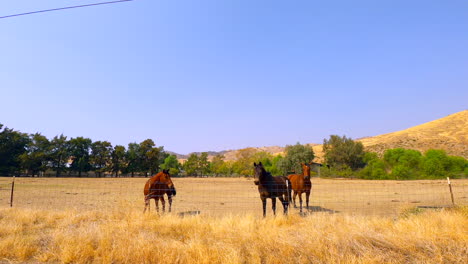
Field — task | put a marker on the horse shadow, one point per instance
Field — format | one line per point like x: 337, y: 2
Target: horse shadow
x: 317, y: 209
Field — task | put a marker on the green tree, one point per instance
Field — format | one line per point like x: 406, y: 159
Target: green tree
x: 133, y: 159
x: 343, y: 152
x: 118, y: 160
x: 79, y: 148
x: 245, y: 159
x: 435, y: 163
x: 458, y: 166
x: 191, y: 165
x: 217, y: 164
x: 203, y: 164
x: 295, y: 155
x: 100, y: 158
x: 275, y: 168
x: 38, y: 154
x: 12, y: 145
x: 403, y: 163
x: 375, y: 167
x: 172, y: 164
x: 59, y: 154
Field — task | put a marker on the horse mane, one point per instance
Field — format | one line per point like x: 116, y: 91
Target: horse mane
x: 158, y: 176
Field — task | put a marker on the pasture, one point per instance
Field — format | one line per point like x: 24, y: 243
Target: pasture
x: 70, y: 220
x: 229, y: 196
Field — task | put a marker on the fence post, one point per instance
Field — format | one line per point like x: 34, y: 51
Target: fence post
x: 451, y: 192
x: 12, y: 190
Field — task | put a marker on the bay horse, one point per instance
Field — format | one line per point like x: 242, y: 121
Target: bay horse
x: 272, y: 187
x: 301, y: 184
x: 156, y: 187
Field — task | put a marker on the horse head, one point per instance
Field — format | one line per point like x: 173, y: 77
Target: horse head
x: 306, y: 170
x: 259, y: 172
x: 165, y: 177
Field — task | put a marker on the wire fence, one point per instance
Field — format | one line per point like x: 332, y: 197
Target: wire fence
x: 224, y: 196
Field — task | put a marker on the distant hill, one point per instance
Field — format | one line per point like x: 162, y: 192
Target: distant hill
x: 449, y: 133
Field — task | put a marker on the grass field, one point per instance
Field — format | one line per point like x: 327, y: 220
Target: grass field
x: 72, y: 236
x: 69, y: 220
x: 225, y: 196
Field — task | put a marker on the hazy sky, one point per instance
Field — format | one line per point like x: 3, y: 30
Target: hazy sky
x: 215, y: 75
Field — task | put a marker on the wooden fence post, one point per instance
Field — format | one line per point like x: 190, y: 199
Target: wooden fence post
x: 12, y: 190
x: 451, y: 192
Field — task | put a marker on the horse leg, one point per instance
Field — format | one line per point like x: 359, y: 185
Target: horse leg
x: 294, y: 198
x: 163, y: 204
x: 169, y: 198
x: 273, y: 205
x: 285, y: 204
x: 264, y: 206
x: 300, y: 202
x: 307, y: 199
x: 156, y: 201
x: 147, y: 205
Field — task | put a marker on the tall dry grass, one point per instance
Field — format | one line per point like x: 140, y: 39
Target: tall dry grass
x: 131, y: 237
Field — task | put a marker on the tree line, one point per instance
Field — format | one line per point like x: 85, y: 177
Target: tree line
x: 34, y: 154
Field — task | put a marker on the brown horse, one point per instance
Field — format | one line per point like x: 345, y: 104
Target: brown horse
x: 156, y: 187
x: 301, y: 184
x: 272, y: 187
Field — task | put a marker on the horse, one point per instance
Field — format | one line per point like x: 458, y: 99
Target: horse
x: 272, y: 187
x: 301, y: 184
x: 156, y: 187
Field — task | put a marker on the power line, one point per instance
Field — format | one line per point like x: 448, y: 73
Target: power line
x: 63, y: 8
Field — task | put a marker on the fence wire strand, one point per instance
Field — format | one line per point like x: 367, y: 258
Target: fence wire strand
x: 224, y: 196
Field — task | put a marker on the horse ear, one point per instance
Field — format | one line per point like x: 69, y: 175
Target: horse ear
x: 255, y: 164
x: 260, y: 163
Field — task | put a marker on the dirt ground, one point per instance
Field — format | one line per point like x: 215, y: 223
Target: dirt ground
x: 223, y: 196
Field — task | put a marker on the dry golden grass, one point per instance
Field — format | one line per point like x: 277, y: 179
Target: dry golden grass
x: 132, y: 237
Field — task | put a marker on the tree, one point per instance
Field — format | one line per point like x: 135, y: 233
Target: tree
x: 172, y: 164
x: 275, y: 168
x: 197, y: 164
x: 12, y: 145
x: 403, y: 163
x: 295, y: 155
x: 133, y: 159
x: 150, y: 156
x: 203, y: 164
x: 38, y: 154
x: 375, y: 167
x: 217, y: 164
x: 435, y: 163
x: 191, y: 165
x: 79, y: 150
x: 343, y: 152
x: 100, y: 157
x: 118, y: 161
x: 245, y: 159
x: 59, y: 154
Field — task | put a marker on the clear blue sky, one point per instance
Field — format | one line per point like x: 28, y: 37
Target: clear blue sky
x: 215, y: 75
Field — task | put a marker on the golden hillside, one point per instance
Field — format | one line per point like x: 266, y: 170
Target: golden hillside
x: 449, y: 133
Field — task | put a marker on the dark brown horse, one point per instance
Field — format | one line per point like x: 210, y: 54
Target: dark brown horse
x: 156, y: 187
x: 301, y: 184
x: 272, y: 187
